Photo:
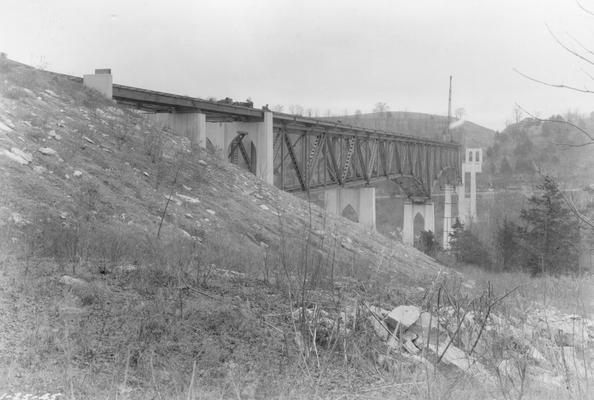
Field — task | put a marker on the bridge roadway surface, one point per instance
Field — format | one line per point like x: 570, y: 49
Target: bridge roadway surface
x: 310, y: 154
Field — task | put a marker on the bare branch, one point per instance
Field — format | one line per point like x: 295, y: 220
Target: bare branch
x: 576, y: 212
x: 584, y: 8
x: 587, y: 50
x: 556, y: 85
x: 585, y: 132
x: 581, y: 217
x: 571, y: 144
x: 571, y: 51
x: 589, y: 75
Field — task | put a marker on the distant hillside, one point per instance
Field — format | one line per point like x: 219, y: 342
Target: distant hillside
x: 423, y: 125
x: 553, y: 146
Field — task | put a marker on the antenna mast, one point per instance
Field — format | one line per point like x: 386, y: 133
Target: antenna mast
x: 447, y: 134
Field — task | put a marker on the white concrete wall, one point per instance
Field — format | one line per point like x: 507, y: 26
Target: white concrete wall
x: 426, y: 210
x: 472, y: 165
x: 361, y: 199
x: 221, y: 134
x: 447, y: 216
x: 190, y: 125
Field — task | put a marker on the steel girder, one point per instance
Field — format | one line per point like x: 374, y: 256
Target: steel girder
x: 308, y: 157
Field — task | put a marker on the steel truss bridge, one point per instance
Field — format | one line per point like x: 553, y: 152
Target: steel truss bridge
x: 311, y: 154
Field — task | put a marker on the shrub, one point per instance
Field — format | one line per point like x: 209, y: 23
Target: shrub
x: 467, y: 247
x: 506, y: 241
x: 427, y: 243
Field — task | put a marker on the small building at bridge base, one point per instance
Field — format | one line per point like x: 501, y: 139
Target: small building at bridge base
x: 362, y: 200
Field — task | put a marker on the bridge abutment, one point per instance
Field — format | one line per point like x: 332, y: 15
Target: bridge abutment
x: 362, y: 200
x: 101, y: 81
x: 411, y: 210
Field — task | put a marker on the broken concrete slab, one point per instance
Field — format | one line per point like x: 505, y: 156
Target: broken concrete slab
x: 404, y: 316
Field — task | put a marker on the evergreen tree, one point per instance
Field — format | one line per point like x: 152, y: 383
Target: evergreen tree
x: 456, y: 237
x: 505, y: 168
x: 467, y: 247
x: 550, y: 236
x: 507, y: 246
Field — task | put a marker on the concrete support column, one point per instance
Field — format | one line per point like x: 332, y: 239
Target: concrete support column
x: 473, y: 195
x: 366, y: 209
x: 200, y: 137
x: 264, y: 142
x: 462, y: 209
x: 427, y: 211
x: 447, y: 216
x: 190, y: 125
x: 429, y: 216
x: 408, y: 224
x: 101, y: 81
x: 331, y: 201
x: 361, y: 199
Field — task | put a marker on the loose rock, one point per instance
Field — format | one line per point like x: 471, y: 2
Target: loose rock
x: 47, y: 151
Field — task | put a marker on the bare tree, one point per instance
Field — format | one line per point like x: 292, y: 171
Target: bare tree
x: 518, y: 113
x: 296, y: 109
x: 583, y: 54
x: 381, y: 107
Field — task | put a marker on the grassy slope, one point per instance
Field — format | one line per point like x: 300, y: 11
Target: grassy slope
x: 81, y: 339
x: 206, y: 306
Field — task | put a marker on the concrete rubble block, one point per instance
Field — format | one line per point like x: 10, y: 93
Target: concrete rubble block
x: 403, y: 316
x: 429, y: 330
x: 468, y: 364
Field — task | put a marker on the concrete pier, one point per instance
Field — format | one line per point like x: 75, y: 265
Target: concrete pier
x: 472, y: 165
x: 447, y: 216
x: 411, y: 209
x: 191, y: 125
x: 361, y: 199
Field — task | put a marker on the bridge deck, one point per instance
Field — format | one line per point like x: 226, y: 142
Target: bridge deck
x: 310, y: 154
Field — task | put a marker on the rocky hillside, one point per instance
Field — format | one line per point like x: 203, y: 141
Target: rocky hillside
x: 134, y: 266
x: 424, y: 125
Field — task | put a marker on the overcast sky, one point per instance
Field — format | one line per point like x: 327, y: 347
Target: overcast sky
x: 325, y: 55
